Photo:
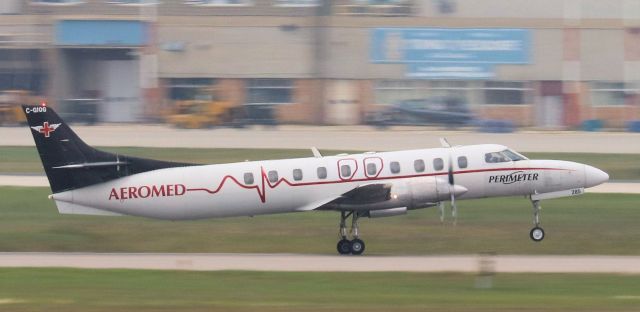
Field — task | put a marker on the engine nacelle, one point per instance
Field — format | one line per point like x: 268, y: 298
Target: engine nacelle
x: 412, y: 194
x: 424, y: 191
x: 391, y: 212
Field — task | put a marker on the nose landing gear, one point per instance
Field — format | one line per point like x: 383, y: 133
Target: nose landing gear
x: 346, y: 246
x: 537, y: 233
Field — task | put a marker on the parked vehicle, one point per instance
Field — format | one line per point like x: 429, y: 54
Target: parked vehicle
x: 11, y: 113
x: 207, y: 110
x: 447, y: 111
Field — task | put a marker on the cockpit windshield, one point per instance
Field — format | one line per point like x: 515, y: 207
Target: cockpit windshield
x: 513, y: 155
x: 503, y: 156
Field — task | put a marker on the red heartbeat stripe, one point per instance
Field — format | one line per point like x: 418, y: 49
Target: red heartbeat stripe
x: 261, y: 189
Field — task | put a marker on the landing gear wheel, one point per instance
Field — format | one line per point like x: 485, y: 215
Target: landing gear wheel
x: 344, y: 247
x: 357, y: 246
x: 537, y: 234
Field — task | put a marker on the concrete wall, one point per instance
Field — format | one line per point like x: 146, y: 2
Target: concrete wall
x: 249, y: 50
x: 572, y: 41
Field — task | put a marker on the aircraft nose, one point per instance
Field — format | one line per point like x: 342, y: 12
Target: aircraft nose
x: 594, y: 176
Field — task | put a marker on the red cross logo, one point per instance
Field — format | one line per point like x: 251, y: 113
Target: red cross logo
x: 46, y: 129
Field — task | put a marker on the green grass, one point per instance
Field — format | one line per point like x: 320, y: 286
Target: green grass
x: 25, y: 159
x: 588, y: 224
x: 131, y: 290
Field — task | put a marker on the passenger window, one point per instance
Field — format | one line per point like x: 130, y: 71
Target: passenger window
x: 438, y: 164
x: 372, y: 169
x: 462, y: 162
x: 273, y: 176
x: 248, y: 178
x: 418, y: 165
x: 345, y: 171
x: 297, y: 174
x: 394, y: 166
x: 322, y: 172
x: 495, y: 157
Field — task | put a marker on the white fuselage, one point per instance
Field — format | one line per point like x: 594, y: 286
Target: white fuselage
x: 252, y: 188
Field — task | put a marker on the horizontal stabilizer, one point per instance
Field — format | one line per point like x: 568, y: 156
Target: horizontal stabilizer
x: 70, y: 208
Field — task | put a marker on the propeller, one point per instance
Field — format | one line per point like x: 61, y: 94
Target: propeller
x: 451, y: 180
x: 454, y: 208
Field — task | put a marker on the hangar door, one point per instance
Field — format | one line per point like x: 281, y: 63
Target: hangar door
x: 121, y: 91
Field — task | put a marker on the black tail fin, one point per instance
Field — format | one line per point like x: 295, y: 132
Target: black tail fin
x: 70, y: 163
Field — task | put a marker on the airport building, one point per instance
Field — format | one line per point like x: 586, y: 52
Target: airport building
x: 544, y: 63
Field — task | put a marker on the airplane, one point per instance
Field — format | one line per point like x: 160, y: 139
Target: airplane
x: 85, y: 180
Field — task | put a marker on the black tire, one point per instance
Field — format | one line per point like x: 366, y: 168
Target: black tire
x: 536, y: 234
x: 357, y: 247
x: 344, y: 247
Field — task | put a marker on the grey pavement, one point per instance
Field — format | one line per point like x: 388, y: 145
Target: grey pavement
x: 324, y: 263
x: 336, y: 137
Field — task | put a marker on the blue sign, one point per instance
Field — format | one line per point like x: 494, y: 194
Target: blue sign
x: 432, y: 45
x: 101, y: 33
x: 449, y: 71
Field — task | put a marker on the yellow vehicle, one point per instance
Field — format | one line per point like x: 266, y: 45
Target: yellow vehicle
x: 10, y: 106
x: 203, y: 112
x: 194, y: 114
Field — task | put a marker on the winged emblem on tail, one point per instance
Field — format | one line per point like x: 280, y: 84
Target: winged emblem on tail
x: 46, y: 128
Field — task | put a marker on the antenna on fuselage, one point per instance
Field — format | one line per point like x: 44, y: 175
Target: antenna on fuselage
x: 444, y: 142
x: 316, y: 152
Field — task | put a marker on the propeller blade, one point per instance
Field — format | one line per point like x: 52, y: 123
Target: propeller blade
x: 450, y: 171
x: 441, y: 211
x: 454, y: 209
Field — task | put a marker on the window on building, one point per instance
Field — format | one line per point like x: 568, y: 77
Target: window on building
x: 32, y: 80
x: 345, y: 171
x: 389, y: 92
x: 504, y: 92
x: 297, y: 174
x: 611, y: 93
x: 418, y: 165
x: 273, y: 176
x: 374, y: 7
x: 322, y: 172
x: 462, y: 162
x: 296, y: 3
x: 248, y: 178
x: 218, y: 2
x: 181, y: 89
x: 438, y: 164
x: 372, y: 169
x: 394, y: 166
x: 133, y: 2
x: 269, y: 91
x: 61, y: 2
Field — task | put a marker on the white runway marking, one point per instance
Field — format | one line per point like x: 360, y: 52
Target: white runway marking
x: 323, y: 263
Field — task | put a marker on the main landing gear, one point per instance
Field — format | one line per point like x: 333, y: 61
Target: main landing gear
x: 354, y: 246
x: 537, y: 233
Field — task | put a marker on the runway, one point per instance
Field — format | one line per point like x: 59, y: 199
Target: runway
x: 362, y: 138
x: 324, y: 263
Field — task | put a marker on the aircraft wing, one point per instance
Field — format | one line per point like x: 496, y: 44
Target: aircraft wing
x: 362, y: 194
